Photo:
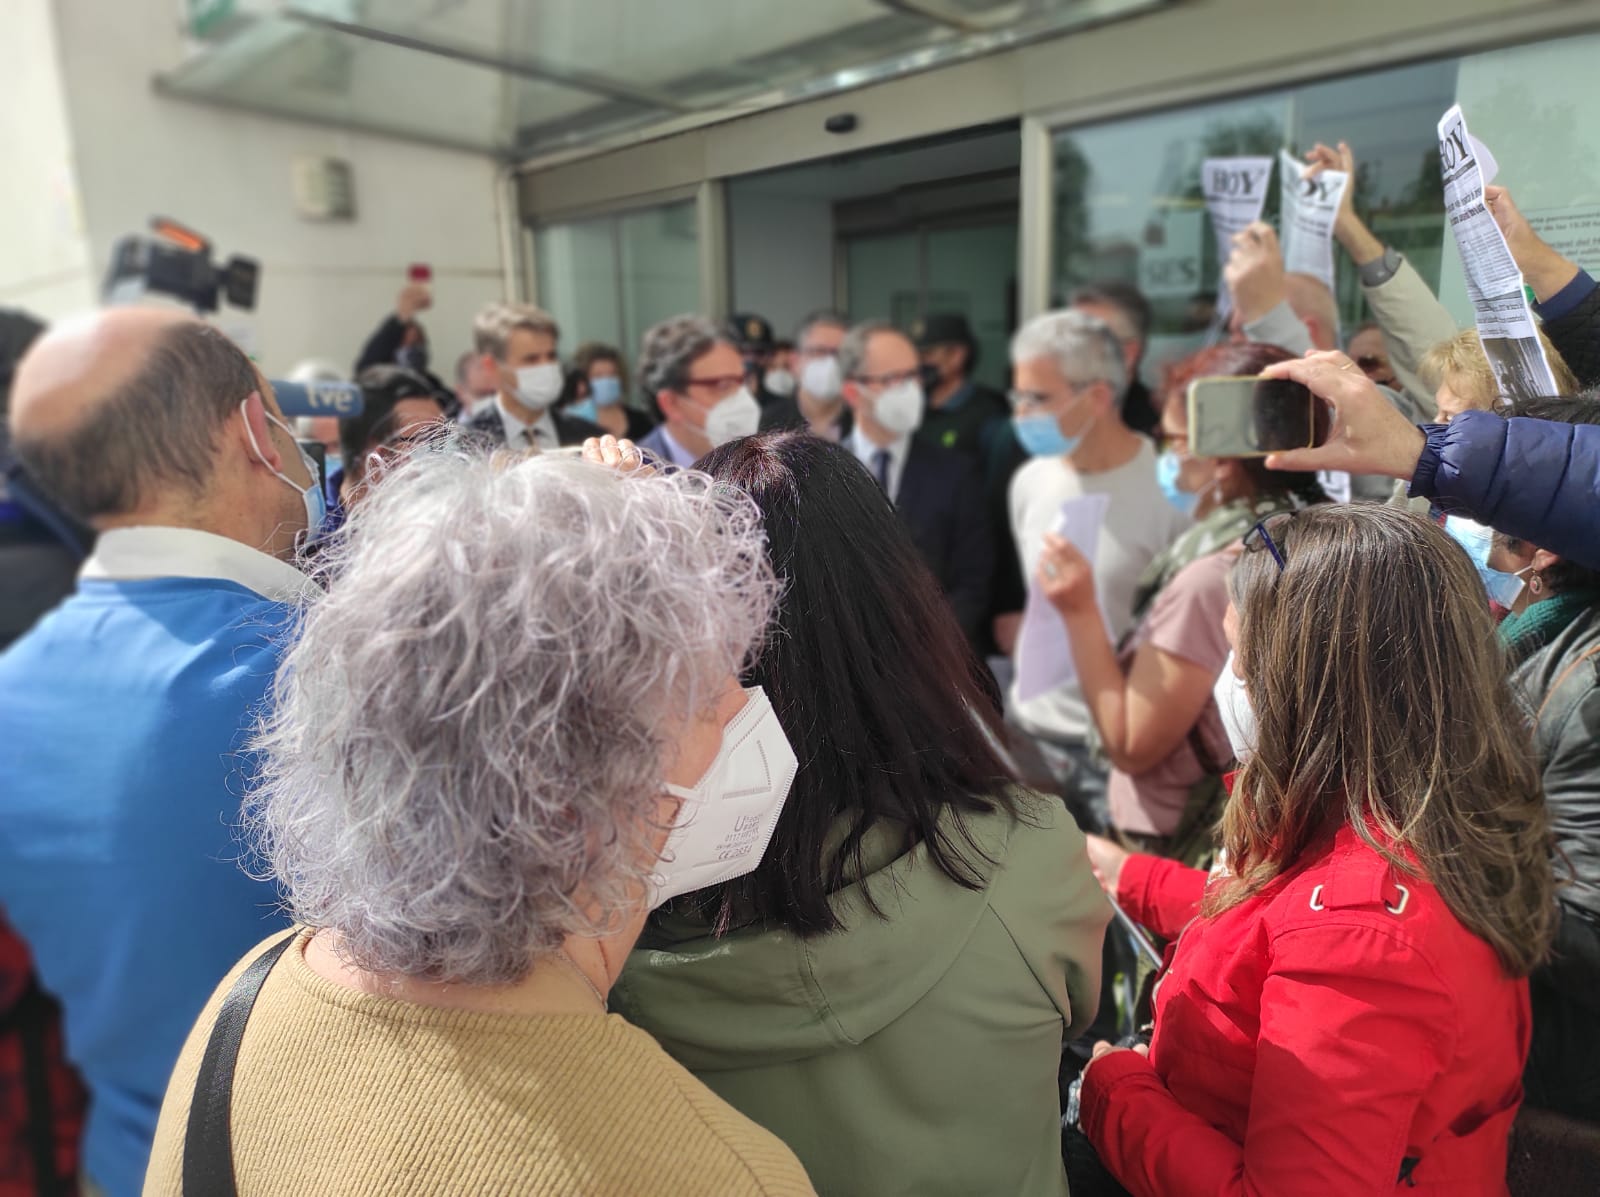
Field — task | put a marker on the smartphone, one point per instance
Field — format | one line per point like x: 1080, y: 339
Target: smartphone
x: 1251, y: 417
x: 420, y: 272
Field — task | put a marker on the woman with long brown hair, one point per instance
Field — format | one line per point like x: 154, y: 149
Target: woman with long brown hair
x: 1346, y: 1010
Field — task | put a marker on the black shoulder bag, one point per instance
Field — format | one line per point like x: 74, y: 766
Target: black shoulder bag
x: 208, y: 1143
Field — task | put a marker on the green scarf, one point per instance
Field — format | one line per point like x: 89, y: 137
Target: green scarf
x: 1525, y: 633
x: 1222, y: 527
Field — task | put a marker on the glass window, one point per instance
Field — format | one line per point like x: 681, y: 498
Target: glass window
x: 1128, y: 202
x: 610, y: 278
x: 966, y: 268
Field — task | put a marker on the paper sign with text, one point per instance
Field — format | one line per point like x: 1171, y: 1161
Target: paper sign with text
x: 1494, y: 284
x: 1235, y: 191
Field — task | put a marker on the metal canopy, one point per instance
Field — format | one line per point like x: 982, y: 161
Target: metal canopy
x: 527, y: 78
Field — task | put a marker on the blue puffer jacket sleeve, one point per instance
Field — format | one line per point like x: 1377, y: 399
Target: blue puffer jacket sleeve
x: 1537, y: 480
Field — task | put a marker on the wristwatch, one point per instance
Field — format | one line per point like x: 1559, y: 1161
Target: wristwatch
x: 1381, y: 269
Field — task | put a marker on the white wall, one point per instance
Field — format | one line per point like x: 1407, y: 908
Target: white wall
x: 44, y: 256
x: 782, y: 255
x: 324, y: 286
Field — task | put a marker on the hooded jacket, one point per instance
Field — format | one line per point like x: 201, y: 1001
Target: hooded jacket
x: 1340, y: 1032
x: 914, y: 1053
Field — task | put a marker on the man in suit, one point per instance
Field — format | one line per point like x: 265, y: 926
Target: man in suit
x: 518, y: 341
x: 937, y: 491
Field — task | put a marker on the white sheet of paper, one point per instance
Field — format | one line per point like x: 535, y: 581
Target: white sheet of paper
x: 1307, y: 213
x: 1044, y: 654
x: 1235, y: 191
x: 1494, y: 284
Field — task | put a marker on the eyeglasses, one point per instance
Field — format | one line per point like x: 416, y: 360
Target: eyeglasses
x: 892, y: 378
x: 722, y: 385
x: 1261, y: 537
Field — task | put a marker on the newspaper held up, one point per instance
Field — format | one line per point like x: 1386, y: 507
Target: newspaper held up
x: 1044, y: 654
x: 1309, y: 208
x: 1235, y: 191
x: 1494, y: 284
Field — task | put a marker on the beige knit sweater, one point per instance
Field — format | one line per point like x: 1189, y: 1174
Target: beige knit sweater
x: 338, y: 1092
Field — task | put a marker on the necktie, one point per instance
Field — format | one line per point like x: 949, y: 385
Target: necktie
x: 880, y: 468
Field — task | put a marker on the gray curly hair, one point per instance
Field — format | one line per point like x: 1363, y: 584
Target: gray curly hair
x: 671, y: 347
x: 470, y: 728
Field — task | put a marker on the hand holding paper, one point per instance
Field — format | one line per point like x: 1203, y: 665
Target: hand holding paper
x: 1545, y: 270
x: 1066, y: 576
x: 1254, y: 272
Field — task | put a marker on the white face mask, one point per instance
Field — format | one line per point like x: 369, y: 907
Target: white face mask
x: 779, y: 383
x: 737, y: 415
x: 539, y: 386
x: 819, y: 378
x: 1238, y: 716
x: 899, y: 408
x: 728, y: 816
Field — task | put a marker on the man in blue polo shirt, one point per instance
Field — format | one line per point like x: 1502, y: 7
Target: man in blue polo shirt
x: 124, y: 712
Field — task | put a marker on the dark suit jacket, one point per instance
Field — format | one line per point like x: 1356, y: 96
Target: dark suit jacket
x: 569, y: 429
x: 655, y: 446
x: 941, y: 501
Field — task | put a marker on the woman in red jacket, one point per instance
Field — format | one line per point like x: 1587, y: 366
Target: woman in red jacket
x: 1345, y: 1010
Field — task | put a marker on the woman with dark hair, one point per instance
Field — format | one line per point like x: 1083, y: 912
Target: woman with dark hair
x: 1225, y: 495
x: 1152, y: 704
x: 597, y: 391
x: 398, y: 407
x: 1346, y: 1010
x: 890, y: 990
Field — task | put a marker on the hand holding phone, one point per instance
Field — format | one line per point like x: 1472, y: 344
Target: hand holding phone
x: 1252, y: 417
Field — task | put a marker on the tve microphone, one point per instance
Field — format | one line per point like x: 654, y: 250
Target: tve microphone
x: 339, y: 399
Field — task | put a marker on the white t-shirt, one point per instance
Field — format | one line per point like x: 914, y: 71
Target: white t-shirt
x: 1139, y: 524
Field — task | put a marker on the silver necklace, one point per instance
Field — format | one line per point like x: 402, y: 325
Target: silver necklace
x: 584, y: 977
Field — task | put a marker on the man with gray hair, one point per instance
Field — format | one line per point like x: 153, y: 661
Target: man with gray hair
x: 701, y: 386
x: 124, y: 712
x: 1070, y: 374
x: 517, y: 341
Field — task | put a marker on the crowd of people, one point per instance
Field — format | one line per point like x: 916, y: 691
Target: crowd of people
x: 604, y: 772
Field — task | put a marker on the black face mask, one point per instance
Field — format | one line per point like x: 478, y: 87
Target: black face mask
x: 931, y: 378
x: 412, y: 357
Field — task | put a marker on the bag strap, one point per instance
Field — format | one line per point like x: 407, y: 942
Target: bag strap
x: 208, y: 1142
x: 1565, y: 674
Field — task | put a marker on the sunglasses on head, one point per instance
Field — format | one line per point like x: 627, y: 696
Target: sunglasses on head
x: 1263, y: 536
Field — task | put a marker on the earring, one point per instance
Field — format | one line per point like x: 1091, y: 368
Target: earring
x: 1536, y: 583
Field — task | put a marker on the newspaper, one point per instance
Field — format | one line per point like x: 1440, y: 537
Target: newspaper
x: 1310, y: 206
x: 1235, y: 191
x: 1044, y: 653
x: 1494, y: 284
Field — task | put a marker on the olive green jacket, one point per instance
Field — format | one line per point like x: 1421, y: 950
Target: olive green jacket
x: 911, y: 1054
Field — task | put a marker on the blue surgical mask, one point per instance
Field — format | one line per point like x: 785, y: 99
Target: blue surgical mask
x: 1041, y: 435
x: 605, y: 391
x: 1478, y: 540
x: 584, y: 409
x: 1504, y: 589
x: 1168, y: 466
x: 316, y: 503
